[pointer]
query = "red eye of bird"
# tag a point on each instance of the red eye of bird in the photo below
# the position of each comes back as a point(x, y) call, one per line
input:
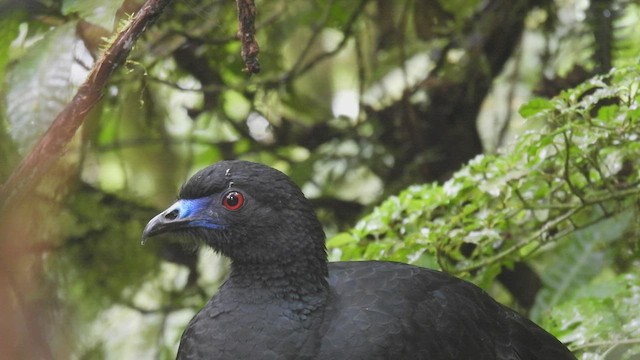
point(233, 200)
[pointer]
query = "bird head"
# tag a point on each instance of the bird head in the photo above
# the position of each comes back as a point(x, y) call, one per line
point(248, 212)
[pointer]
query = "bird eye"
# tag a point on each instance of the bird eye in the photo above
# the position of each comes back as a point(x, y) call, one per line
point(233, 200)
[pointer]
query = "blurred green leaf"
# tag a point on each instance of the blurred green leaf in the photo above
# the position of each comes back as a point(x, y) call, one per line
point(10, 30)
point(99, 12)
point(341, 240)
point(40, 84)
point(535, 106)
point(576, 260)
point(601, 319)
point(607, 112)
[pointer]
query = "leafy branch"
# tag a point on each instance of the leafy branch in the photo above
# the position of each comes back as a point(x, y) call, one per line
point(577, 171)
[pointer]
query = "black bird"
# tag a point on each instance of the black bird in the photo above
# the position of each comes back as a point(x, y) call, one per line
point(282, 300)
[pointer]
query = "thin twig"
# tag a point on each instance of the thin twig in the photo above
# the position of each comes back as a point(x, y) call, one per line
point(607, 343)
point(298, 69)
point(317, 27)
point(567, 172)
point(542, 235)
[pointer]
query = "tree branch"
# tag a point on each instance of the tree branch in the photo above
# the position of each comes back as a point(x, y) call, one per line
point(246, 34)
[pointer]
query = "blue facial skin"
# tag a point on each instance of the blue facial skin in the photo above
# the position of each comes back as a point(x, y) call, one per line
point(193, 208)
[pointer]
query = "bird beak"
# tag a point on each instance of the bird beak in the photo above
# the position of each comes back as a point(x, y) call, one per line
point(166, 221)
point(183, 214)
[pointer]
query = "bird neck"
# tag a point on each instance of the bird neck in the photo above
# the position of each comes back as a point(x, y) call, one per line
point(298, 279)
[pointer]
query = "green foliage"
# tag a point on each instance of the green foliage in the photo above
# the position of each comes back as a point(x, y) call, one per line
point(577, 260)
point(99, 12)
point(578, 171)
point(103, 256)
point(564, 198)
point(8, 149)
point(600, 319)
point(41, 85)
point(10, 26)
point(535, 106)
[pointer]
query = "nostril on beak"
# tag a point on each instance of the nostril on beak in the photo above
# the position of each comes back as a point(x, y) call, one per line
point(172, 215)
